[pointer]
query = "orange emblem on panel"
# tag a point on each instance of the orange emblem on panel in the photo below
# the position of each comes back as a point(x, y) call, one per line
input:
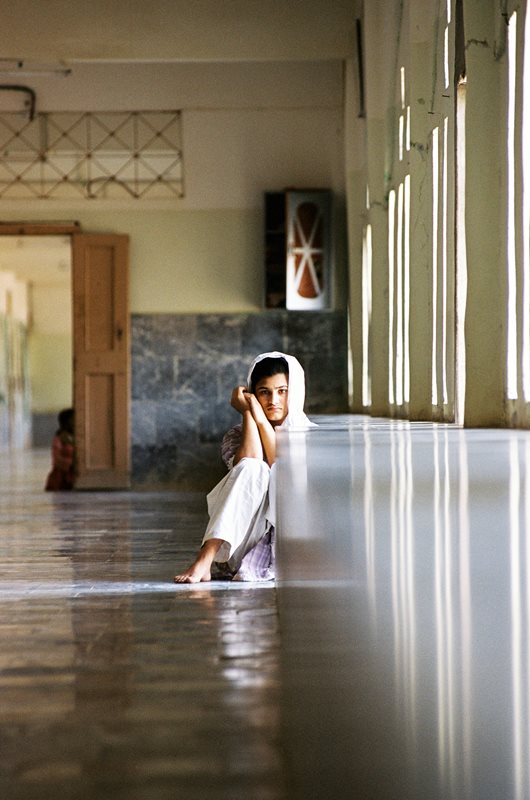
point(308, 250)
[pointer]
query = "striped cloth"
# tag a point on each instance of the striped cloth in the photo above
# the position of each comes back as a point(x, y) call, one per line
point(230, 443)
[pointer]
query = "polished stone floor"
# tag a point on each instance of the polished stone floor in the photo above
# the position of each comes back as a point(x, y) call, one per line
point(391, 661)
point(115, 682)
point(405, 611)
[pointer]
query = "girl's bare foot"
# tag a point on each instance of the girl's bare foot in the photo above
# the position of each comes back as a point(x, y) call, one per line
point(200, 570)
point(194, 574)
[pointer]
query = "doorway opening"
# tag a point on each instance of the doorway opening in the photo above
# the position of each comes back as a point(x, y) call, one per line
point(35, 337)
point(95, 349)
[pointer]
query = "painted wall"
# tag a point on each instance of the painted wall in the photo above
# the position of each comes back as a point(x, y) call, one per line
point(178, 29)
point(15, 424)
point(50, 349)
point(246, 129)
point(13, 297)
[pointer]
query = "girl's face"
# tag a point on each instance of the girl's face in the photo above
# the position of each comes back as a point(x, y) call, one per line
point(272, 395)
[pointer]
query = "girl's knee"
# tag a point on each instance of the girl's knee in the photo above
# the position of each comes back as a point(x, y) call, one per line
point(253, 466)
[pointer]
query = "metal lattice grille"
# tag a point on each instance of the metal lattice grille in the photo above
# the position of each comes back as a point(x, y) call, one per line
point(91, 155)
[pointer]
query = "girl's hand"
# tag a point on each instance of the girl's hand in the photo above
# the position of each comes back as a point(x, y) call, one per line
point(257, 411)
point(239, 399)
point(264, 428)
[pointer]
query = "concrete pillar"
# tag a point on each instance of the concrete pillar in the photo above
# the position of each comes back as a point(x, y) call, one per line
point(430, 103)
point(355, 149)
point(381, 40)
point(486, 313)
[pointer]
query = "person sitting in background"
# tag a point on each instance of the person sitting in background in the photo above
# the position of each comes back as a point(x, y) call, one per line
point(61, 477)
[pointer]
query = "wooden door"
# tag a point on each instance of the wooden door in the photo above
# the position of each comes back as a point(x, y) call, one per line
point(101, 360)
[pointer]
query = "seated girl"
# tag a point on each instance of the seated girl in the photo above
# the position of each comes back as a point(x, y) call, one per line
point(62, 476)
point(239, 539)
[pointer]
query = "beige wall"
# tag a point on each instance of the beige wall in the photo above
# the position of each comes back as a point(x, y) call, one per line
point(47, 316)
point(50, 348)
point(486, 216)
point(115, 86)
point(13, 297)
point(50, 365)
point(177, 29)
point(189, 261)
point(246, 129)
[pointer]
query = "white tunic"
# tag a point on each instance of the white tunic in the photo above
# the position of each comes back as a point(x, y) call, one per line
point(239, 512)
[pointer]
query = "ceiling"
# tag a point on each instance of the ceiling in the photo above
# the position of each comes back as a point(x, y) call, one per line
point(41, 260)
point(178, 30)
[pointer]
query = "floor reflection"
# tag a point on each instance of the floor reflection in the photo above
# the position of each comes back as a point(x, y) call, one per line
point(114, 681)
point(402, 668)
point(434, 629)
point(403, 582)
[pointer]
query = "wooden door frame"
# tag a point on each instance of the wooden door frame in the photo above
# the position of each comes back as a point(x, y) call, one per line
point(102, 360)
point(66, 228)
point(39, 228)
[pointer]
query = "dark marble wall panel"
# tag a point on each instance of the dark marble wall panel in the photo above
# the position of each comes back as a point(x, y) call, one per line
point(183, 371)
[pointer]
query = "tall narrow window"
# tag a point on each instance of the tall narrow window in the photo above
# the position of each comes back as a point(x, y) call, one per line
point(403, 133)
point(440, 266)
point(367, 314)
point(435, 192)
point(526, 209)
point(511, 387)
point(445, 274)
point(446, 45)
point(391, 266)
point(461, 260)
point(406, 292)
point(399, 299)
point(399, 260)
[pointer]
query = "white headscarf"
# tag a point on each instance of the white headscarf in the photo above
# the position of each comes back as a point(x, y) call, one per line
point(296, 417)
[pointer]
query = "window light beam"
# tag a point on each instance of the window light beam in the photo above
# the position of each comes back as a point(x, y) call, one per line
point(512, 370)
point(391, 266)
point(435, 190)
point(399, 298)
point(526, 210)
point(367, 315)
point(445, 330)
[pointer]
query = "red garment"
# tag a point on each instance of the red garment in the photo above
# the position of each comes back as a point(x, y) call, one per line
point(61, 478)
